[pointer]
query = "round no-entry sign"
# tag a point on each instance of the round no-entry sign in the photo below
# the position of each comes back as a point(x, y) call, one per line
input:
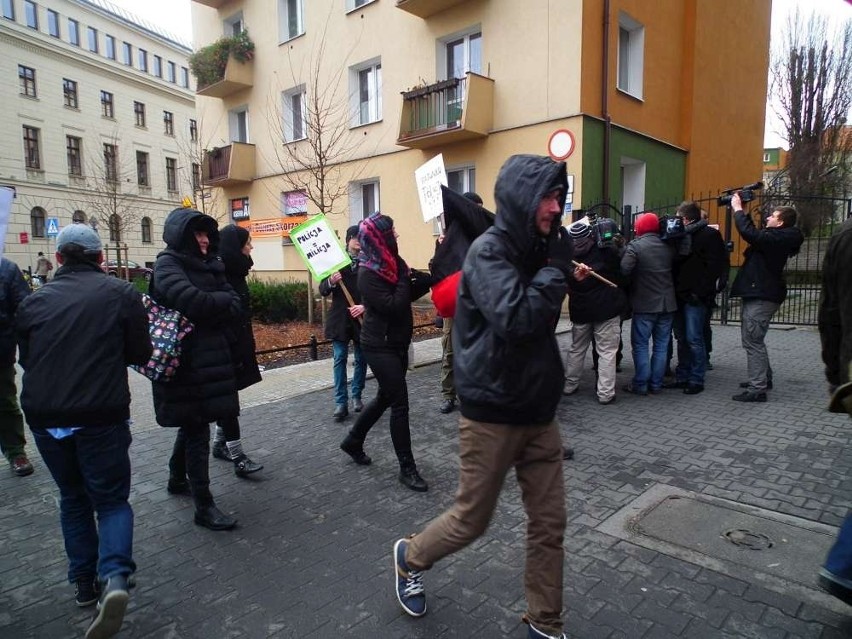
point(560, 145)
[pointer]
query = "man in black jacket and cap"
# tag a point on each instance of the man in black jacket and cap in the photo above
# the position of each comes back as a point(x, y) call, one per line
point(77, 335)
point(509, 377)
point(760, 283)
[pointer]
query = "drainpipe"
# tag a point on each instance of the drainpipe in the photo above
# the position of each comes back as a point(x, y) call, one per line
point(605, 103)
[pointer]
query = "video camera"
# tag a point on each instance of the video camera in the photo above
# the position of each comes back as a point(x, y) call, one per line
point(746, 193)
point(604, 229)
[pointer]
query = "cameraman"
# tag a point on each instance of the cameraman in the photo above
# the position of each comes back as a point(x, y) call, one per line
point(760, 283)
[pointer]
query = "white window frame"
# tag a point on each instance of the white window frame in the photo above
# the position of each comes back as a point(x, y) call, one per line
point(230, 24)
point(288, 116)
point(92, 39)
point(631, 56)
point(352, 5)
point(374, 101)
point(284, 19)
point(765, 158)
point(441, 51)
point(233, 124)
point(357, 190)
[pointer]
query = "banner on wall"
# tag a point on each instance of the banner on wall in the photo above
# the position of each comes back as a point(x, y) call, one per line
point(273, 227)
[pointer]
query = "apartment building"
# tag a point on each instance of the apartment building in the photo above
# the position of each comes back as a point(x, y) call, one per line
point(647, 102)
point(98, 125)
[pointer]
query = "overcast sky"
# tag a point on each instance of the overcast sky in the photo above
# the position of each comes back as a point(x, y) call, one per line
point(174, 16)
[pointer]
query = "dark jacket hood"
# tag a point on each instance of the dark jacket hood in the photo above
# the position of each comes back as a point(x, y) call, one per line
point(179, 227)
point(521, 184)
point(232, 239)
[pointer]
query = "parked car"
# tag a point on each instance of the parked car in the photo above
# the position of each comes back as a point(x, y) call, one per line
point(136, 270)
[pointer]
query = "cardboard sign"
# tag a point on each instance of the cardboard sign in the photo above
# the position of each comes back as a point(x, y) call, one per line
point(429, 177)
point(319, 247)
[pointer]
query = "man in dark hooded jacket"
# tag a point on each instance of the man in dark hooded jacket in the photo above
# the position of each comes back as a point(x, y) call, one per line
point(508, 374)
point(835, 330)
point(760, 283)
point(189, 277)
point(13, 290)
point(835, 309)
point(696, 277)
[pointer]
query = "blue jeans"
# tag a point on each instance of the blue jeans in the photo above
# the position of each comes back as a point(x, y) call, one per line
point(91, 467)
point(649, 372)
point(691, 353)
point(340, 351)
point(839, 560)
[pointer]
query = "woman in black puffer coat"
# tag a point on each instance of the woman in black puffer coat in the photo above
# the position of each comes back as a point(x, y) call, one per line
point(235, 251)
point(190, 277)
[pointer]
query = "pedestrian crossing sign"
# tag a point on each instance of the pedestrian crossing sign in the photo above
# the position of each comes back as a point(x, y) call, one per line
point(51, 227)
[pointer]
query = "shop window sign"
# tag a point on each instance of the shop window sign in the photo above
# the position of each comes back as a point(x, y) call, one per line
point(240, 209)
point(294, 202)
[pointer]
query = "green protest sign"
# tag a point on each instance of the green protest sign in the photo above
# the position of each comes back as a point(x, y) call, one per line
point(319, 247)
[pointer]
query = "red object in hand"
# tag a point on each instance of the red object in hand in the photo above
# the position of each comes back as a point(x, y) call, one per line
point(444, 295)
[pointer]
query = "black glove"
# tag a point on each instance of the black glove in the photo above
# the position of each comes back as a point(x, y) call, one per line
point(560, 251)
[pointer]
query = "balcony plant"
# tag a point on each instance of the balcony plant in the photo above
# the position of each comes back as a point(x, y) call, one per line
point(208, 63)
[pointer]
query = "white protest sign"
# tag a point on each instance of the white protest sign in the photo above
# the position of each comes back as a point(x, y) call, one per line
point(6, 196)
point(319, 247)
point(429, 177)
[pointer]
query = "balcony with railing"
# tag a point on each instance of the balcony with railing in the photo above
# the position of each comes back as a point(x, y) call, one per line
point(420, 8)
point(448, 111)
point(236, 77)
point(212, 3)
point(229, 165)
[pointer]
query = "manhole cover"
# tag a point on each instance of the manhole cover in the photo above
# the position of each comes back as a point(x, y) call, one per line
point(747, 539)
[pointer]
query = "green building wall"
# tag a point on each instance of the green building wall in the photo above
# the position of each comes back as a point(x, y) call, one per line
point(665, 166)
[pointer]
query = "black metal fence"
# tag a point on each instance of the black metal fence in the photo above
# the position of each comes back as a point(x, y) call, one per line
point(818, 218)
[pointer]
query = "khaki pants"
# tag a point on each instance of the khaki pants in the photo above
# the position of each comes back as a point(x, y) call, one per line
point(607, 335)
point(448, 384)
point(487, 452)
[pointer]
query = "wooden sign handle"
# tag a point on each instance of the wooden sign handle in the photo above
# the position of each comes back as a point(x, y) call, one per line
point(349, 299)
point(598, 277)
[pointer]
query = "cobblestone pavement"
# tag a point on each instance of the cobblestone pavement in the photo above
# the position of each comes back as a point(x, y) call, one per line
point(311, 557)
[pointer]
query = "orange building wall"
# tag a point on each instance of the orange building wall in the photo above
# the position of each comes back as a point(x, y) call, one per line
point(659, 112)
point(705, 80)
point(726, 140)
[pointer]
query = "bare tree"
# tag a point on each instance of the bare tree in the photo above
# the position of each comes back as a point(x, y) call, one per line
point(314, 124)
point(811, 83)
point(312, 118)
point(111, 203)
point(192, 152)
